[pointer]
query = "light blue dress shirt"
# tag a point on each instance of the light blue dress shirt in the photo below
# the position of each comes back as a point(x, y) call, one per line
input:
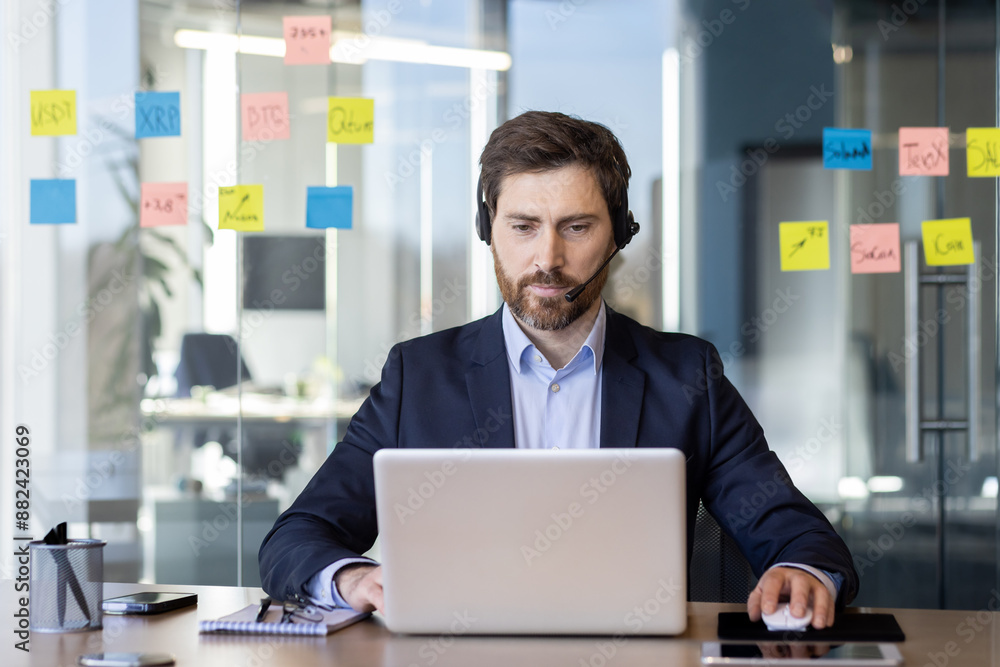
point(552, 408)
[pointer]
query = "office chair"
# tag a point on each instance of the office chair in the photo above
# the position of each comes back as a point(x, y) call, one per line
point(718, 572)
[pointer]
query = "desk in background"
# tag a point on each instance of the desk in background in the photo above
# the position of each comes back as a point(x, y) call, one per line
point(369, 643)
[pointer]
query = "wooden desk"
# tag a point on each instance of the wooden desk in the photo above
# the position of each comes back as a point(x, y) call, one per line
point(369, 643)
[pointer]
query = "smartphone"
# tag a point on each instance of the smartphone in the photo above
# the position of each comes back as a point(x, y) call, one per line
point(800, 654)
point(125, 659)
point(148, 603)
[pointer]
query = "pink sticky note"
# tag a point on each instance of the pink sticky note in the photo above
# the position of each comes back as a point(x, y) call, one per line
point(875, 248)
point(307, 40)
point(265, 116)
point(923, 151)
point(163, 204)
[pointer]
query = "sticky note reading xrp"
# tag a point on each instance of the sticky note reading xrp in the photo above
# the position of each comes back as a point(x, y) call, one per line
point(241, 207)
point(307, 40)
point(875, 248)
point(805, 246)
point(923, 151)
point(264, 116)
point(329, 207)
point(982, 151)
point(847, 149)
point(948, 242)
point(157, 115)
point(163, 204)
point(350, 120)
point(53, 112)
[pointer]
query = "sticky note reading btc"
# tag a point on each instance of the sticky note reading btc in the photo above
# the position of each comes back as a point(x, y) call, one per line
point(157, 114)
point(163, 204)
point(265, 116)
point(241, 207)
point(805, 246)
point(329, 207)
point(948, 242)
point(307, 40)
point(847, 148)
point(53, 112)
point(875, 248)
point(350, 120)
point(982, 151)
point(923, 151)
point(53, 201)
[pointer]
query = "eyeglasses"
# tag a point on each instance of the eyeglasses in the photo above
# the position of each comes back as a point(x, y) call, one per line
point(298, 609)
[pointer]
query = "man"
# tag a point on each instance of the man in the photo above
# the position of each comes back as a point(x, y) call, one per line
point(545, 371)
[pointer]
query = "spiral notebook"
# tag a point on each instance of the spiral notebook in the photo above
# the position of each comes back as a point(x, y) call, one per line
point(242, 622)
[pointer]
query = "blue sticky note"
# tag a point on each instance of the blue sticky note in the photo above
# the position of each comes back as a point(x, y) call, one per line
point(157, 115)
point(53, 201)
point(329, 207)
point(847, 149)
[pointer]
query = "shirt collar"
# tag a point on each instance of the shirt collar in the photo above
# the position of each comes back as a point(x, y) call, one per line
point(516, 341)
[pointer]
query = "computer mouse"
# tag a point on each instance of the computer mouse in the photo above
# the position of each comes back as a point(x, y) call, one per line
point(782, 618)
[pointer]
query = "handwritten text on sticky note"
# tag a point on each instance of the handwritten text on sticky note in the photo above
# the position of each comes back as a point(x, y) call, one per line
point(923, 151)
point(307, 40)
point(157, 114)
point(53, 112)
point(847, 148)
point(163, 204)
point(329, 207)
point(264, 116)
point(350, 120)
point(875, 248)
point(805, 246)
point(982, 151)
point(241, 207)
point(948, 242)
point(53, 201)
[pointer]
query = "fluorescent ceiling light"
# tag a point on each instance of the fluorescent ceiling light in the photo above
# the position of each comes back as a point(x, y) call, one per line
point(885, 484)
point(852, 487)
point(353, 49)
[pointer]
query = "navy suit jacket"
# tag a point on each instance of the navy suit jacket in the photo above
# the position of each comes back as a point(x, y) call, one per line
point(452, 389)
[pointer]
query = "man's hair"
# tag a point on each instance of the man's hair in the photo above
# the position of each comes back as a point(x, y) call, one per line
point(539, 141)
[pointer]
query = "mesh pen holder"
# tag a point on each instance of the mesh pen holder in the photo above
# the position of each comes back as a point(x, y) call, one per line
point(67, 586)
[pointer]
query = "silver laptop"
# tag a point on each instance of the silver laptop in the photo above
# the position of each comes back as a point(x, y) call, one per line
point(510, 541)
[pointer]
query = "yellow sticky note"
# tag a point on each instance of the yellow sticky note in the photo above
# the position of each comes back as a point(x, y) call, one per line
point(53, 112)
point(805, 246)
point(948, 242)
point(350, 120)
point(241, 207)
point(982, 151)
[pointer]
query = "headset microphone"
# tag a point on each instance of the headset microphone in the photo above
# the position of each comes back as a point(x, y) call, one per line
point(576, 291)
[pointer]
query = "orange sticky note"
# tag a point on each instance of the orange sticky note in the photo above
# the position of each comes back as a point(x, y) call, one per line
point(307, 40)
point(53, 112)
point(163, 204)
point(805, 246)
point(982, 151)
point(875, 248)
point(264, 116)
point(948, 242)
point(923, 151)
point(241, 207)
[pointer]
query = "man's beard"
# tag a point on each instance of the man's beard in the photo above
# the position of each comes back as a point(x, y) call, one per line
point(550, 313)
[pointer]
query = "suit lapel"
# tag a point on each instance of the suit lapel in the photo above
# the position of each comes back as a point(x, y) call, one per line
point(488, 383)
point(622, 386)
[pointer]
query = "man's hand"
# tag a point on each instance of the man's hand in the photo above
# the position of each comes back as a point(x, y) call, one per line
point(796, 586)
point(360, 585)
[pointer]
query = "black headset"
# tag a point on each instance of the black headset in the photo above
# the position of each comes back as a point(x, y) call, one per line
point(622, 221)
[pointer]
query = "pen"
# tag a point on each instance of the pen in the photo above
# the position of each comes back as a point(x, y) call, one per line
point(264, 604)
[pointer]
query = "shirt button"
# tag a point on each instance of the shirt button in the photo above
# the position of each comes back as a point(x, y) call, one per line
point(555, 388)
point(538, 359)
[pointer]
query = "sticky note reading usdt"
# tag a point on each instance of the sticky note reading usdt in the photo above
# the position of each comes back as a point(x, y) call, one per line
point(241, 207)
point(805, 246)
point(53, 112)
point(948, 242)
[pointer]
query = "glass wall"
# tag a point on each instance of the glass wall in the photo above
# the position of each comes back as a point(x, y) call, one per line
point(181, 383)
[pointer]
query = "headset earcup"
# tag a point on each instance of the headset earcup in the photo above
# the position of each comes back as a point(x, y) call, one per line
point(482, 215)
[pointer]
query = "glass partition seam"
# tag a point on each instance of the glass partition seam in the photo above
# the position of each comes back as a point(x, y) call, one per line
point(239, 323)
point(996, 280)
